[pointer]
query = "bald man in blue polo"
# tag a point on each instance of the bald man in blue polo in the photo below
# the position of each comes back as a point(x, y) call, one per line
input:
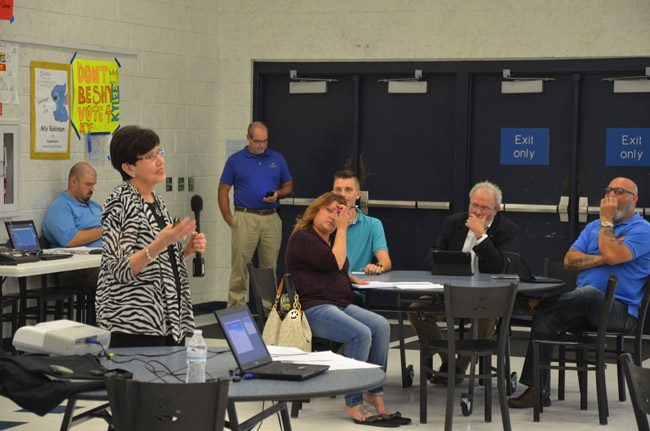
point(260, 177)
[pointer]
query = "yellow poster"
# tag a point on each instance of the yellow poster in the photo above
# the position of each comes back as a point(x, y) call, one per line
point(96, 100)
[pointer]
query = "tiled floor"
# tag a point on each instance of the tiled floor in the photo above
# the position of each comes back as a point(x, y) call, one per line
point(326, 414)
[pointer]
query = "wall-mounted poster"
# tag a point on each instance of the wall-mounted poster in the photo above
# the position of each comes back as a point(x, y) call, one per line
point(8, 73)
point(50, 113)
point(7, 10)
point(96, 90)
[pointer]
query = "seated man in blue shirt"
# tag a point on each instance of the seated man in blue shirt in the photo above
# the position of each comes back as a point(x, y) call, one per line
point(365, 235)
point(619, 244)
point(74, 220)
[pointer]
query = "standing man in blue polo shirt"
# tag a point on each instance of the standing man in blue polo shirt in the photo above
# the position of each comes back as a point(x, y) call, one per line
point(73, 219)
point(367, 250)
point(261, 178)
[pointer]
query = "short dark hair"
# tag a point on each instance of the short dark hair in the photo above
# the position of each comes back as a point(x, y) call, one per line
point(128, 143)
point(346, 174)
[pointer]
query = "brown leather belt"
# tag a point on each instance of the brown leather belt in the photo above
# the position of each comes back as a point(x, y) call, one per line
point(258, 212)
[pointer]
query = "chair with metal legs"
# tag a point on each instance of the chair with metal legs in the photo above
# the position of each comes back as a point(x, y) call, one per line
point(472, 303)
point(583, 345)
point(638, 383)
point(263, 289)
point(167, 407)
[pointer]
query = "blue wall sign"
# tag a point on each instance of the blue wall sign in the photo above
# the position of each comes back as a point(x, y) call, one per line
point(627, 147)
point(524, 146)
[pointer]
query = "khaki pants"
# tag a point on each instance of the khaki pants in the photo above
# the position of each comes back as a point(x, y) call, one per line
point(426, 327)
point(252, 232)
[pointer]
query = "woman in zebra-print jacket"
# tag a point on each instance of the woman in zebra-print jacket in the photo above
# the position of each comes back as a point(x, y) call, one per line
point(143, 293)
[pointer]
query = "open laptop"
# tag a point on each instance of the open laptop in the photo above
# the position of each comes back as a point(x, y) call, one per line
point(451, 262)
point(517, 265)
point(250, 352)
point(23, 238)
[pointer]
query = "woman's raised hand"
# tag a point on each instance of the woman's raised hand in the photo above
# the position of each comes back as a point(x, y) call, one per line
point(173, 233)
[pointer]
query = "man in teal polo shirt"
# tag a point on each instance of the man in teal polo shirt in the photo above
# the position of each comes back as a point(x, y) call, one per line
point(260, 177)
point(367, 250)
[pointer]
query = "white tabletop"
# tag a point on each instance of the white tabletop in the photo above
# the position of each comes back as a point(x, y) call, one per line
point(77, 261)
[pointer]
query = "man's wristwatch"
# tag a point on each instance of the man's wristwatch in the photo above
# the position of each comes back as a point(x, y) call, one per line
point(606, 224)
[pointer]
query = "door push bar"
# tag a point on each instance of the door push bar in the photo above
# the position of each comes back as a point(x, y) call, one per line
point(365, 203)
point(562, 208)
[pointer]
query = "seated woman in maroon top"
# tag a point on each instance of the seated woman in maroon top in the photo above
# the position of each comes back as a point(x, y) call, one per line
point(316, 259)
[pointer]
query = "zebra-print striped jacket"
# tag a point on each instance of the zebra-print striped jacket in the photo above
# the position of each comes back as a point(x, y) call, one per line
point(146, 304)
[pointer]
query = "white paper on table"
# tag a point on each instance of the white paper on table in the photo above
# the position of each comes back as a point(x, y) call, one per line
point(419, 285)
point(334, 360)
point(373, 284)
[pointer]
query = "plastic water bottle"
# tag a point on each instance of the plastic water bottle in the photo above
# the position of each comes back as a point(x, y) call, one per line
point(197, 355)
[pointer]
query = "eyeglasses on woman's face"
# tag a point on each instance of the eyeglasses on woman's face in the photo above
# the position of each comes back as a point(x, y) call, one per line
point(151, 156)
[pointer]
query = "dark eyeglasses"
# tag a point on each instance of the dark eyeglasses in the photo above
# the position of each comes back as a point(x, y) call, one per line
point(617, 191)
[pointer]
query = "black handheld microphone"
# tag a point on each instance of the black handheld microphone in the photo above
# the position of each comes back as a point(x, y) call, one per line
point(197, 206)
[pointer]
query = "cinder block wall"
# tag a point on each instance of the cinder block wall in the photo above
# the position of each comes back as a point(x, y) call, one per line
point(191, 78)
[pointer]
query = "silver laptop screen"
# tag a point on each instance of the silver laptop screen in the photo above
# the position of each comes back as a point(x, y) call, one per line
point(243, 337)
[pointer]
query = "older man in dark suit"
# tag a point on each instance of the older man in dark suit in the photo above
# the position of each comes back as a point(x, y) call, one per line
point(487, 235)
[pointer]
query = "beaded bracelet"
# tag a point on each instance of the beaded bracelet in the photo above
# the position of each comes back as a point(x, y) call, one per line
point(146, 251)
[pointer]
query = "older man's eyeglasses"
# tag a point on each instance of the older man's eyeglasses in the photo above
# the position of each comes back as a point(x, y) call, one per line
point(152, 156)
point(617, 191)
point(260, 141)
point(483, 208)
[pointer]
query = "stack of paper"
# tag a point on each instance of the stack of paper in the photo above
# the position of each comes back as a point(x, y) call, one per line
point(334, 360)
point(419, 285)
point(373, 285)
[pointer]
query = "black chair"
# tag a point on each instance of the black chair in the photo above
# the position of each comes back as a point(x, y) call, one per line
point(12, 317)
point(140, 406)
point(263, 289)
point(55, 300)
point(637, 334)
point(583, 345)
point(638, 382)
point(556, 269)
point(472, 303)
point(58, 302)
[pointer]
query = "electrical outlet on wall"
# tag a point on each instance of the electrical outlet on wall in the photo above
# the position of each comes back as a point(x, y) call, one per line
point(181, 184)
point(169, 184)
point(190, 184)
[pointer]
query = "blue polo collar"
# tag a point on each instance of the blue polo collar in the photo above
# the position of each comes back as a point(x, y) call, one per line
point(72, 199)
point(255, 156)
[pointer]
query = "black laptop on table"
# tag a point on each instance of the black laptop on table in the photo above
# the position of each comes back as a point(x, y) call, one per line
point(250, 352)
point(23, 238)
point(451, 262)
point(517, 265)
